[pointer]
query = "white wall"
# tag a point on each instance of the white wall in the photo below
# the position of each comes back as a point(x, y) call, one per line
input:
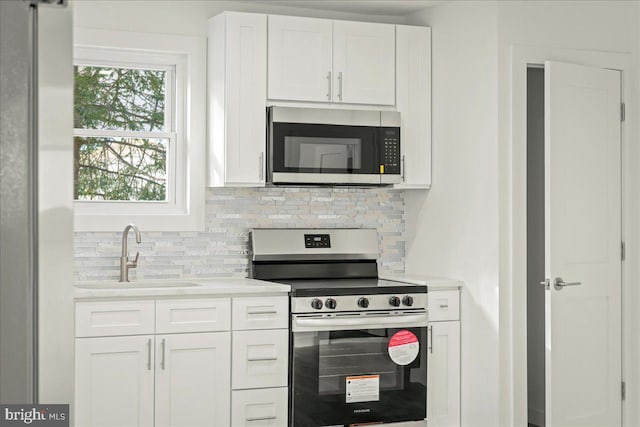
point(460, 228)
point(183, 17)
point(452, 229)
point(56, 310)
point(603, 26)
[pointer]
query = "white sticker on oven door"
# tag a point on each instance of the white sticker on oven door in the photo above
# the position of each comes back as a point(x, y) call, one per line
point(403, 347)
point(363, 388)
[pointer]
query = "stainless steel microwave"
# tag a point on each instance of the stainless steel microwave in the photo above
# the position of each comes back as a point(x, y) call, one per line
point(334, 147)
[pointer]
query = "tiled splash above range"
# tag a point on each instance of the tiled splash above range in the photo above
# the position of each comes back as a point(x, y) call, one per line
point(221, 249)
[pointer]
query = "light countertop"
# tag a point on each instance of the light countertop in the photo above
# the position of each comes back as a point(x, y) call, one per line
point(433, 283)
point(164, 288)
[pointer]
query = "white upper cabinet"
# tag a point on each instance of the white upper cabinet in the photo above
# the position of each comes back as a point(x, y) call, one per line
point(300, 58)
point(364, 63)
point(413, 101)
point(320, 60)
point(237, 99)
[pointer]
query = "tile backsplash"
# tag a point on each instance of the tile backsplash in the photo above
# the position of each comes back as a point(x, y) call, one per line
point(221, 249)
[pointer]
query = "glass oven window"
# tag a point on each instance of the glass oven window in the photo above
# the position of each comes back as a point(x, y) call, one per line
point(351, 353)
point(322, 153)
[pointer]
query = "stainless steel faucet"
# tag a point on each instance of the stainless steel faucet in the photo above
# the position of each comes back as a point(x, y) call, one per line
point(125, 264)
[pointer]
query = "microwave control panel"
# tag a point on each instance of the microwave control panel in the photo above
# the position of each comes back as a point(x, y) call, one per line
point(390, 162)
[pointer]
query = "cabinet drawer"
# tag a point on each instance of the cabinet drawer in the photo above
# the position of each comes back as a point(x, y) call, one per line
point(194, 315)
point(99, 319)
point(260, 359)
point(265, 407)
point(444, 305)
point(260, 313)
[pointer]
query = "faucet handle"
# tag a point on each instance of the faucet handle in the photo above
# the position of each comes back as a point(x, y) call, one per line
point(134, 263)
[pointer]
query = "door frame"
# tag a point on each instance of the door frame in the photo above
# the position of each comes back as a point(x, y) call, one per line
point(513, 241)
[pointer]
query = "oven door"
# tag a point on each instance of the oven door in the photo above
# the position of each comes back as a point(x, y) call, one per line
point(358, 368)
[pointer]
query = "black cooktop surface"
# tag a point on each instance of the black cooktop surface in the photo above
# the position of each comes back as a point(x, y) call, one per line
point(330, 287)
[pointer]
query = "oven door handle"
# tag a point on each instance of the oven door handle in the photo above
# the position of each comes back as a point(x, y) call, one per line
point(301, 324)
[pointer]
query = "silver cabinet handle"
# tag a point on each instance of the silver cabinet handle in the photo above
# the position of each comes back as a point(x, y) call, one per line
point(271, 417)
point(149, 354)
point(262, 312)
point(164, 347)
point(444, 305)
point(329, 79)
point(261, 359)
point(340, 85)
point(260, 166)
point(402, 167)
point(558, 283)
point(431, 339)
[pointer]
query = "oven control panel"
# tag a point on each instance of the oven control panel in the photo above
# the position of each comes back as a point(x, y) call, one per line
point(358, 303)
point(317, 241)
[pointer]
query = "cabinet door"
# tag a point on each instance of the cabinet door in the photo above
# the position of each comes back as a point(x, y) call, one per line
point(193, 379)
point(237, 99)
point(443, 405)
point(114, 381)
point(260, 358)
point(258, 408)
point(300, 58)
point(413, 99)
point(364, 63)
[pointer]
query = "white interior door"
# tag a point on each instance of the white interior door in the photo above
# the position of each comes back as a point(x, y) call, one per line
point(583, 344)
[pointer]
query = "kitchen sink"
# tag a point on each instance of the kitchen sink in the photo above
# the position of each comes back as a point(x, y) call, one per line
point(137, 285)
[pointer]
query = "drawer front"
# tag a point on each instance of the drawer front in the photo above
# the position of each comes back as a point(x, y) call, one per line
point(193, 315)
point(109, 318)
point(260, 313)
point(444, 305)
point(264, 407)
point(260, 359)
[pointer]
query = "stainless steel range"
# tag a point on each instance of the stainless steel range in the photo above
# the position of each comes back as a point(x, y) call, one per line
point(358, 343)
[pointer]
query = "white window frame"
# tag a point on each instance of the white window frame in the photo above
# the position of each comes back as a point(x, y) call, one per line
point(183, 58)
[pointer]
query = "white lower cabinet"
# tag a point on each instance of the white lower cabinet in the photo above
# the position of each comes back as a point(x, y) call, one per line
point(443, 401)
point(257, 408)
point(260, 362)
point(168, 362)
point(114, 381)
point(155, 378)
point(192, 379)
point(444, 367)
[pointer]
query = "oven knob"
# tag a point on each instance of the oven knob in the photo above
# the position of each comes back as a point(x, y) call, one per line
point(394, 301)
point(407, 300)
point(330, 303)
point(316, 303)
point(363, 302)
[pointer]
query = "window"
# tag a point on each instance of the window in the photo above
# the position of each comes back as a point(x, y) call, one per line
point(139, 131)
point(123, 131)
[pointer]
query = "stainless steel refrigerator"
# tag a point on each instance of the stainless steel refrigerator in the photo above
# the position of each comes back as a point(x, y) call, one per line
point(19, 200)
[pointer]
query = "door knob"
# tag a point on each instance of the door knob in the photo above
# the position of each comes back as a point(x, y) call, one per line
point(558, 283)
